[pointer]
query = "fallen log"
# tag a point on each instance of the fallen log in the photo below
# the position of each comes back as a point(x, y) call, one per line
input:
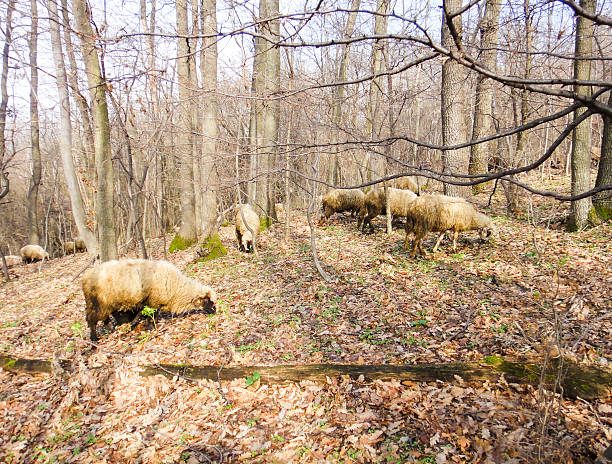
point(577, 380)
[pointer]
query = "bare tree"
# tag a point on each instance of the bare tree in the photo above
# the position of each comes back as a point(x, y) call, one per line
point(187, 234)
point(105, 216)
point(483, 111)
point(65, 137)
point(581, 137)
point(603, 200)
point(452, 111)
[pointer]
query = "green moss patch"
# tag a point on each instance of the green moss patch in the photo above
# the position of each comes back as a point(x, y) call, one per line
point(264, 223)
point(211, 248)
point(179, 243)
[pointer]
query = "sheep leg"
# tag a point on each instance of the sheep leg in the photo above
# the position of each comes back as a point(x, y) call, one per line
point(239, 237)
point(455, 236)
point(136, 320)
point(438, 242)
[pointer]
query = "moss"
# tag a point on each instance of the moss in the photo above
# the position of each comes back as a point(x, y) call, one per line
point(211, 248)
point(179, 243)
point(493, 360)
point(264, 223)
point(603, 209)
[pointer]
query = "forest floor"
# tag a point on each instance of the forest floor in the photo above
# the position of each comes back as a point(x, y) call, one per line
point(532, 289)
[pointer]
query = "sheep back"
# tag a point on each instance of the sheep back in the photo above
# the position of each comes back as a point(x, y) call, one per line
point(244, 236)
point(79, 245)
point(404, 183)
point(129, 285)
point(31, 253)
point(69, 247)
point(340, 200)
point(375, 203)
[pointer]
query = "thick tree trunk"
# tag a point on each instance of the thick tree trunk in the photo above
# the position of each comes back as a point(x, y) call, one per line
point(187, 234)
point(483, 112)
point(65, 137)
point(579, 380)
point(603, 200)
point(33, 234)
point(105, 214)
point(256, 165)
point(452, 107)
point(581, 137)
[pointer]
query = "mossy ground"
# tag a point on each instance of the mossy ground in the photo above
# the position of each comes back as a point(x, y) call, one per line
point(180, 243)
point(211, 248)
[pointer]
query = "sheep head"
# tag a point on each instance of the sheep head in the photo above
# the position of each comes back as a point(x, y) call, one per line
point(205, 302)
point(487, 232)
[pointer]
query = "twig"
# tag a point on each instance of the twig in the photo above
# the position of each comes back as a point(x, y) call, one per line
point(90, 262)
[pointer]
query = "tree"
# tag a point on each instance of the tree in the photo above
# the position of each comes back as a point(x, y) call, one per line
point(603, 200)
point(104, 166)
point(483, 112)
point(581, 137)
point(187, 234)
point(452, 110)
point(65, 136)
point(33, 235)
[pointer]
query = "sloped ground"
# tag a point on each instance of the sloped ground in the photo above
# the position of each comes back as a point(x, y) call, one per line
point(515, 297)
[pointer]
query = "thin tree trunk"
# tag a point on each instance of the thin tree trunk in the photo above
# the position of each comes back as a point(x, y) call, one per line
point(187, 234)
point(483, 117)
point(452, 108)
point(256, 119)
point(65, 138)
point(33, 234)
point(8, 25)
point(580, 210)
point(105, 215)
point(603, 200)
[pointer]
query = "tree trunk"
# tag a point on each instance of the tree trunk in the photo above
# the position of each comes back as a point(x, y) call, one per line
point(211, 244)
point(8, 25)
point(374, 117)
point(582, 381)
point(65, 137)
point(603, 200)
point(452, 108)
point(105, 214)
point(32, 225)
point(187, 234)
point(581, 137)
point(334, 174)
point(483, 113)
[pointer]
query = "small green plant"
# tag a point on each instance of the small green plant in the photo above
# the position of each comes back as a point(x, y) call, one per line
point(250, 380)
point(419, 323)
point(76, 328)
point(277, 438)
point(303, 450)
point(143, 337)
point(147, 311)
point(252, 422)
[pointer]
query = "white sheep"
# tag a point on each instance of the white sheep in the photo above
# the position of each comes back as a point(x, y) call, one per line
point(441, 213)
point(243, 234)
point(340, 200)
point(375, 204)
point(403, 183)
point(126, 286)
point(31, 253)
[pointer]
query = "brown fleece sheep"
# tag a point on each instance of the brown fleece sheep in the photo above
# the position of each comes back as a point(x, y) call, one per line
point(31, 253)
point(244, 236)
point(404, 183)
point(375, 204)
point(69, 247)
point(340, 200)
point(79, 245)
point(440, 213)
point(126, 286)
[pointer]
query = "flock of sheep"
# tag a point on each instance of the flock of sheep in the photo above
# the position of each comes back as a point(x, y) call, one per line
point(424, 213)
point(117, 291)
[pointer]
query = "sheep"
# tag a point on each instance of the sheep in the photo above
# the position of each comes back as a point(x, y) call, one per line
point(404, 183)
point(69, 247)
point(243, 234)
point(340, 200)
point(440, 213)
point(375, 204)
point(31, 253)
point(126, 286)
point(280, 210)
point(79, 245)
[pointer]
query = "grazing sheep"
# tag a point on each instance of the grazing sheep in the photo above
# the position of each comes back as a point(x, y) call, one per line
point(440, 213)
point(340, 200)
point(69, 247)
point(404, 183)
point(12, 260)
point(126, 286)
point(244, 236)
point(280, 210)
point(375, 204)
point(31, 253)
point(79, 245)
